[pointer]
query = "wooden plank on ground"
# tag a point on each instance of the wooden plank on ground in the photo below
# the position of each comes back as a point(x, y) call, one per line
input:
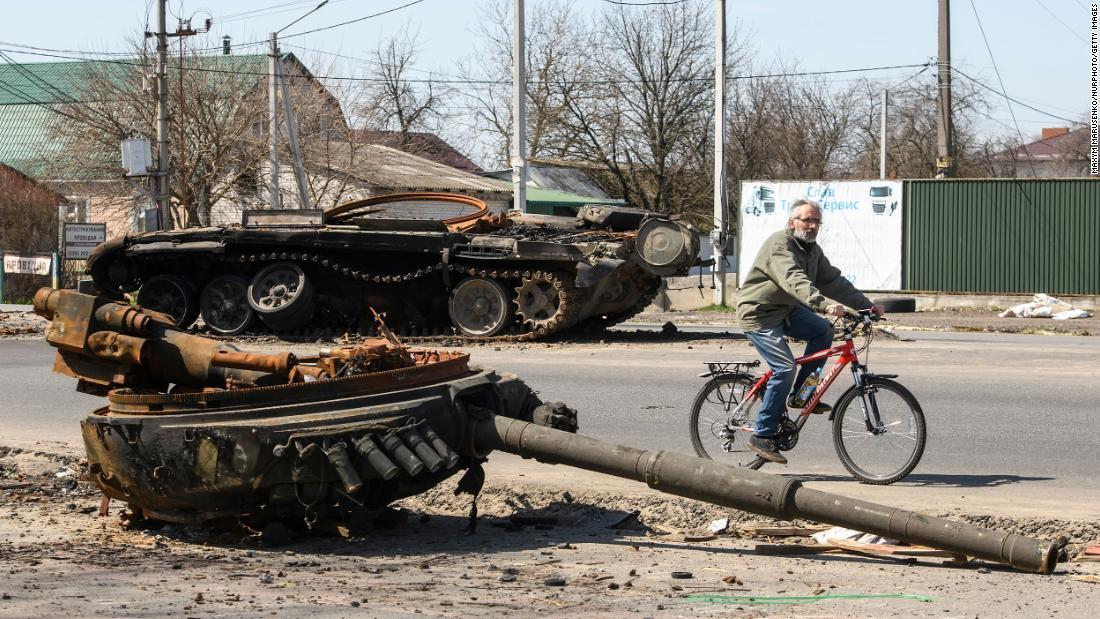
point(781, 531)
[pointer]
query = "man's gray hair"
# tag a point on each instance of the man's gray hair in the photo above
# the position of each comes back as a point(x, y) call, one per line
point(799, 203)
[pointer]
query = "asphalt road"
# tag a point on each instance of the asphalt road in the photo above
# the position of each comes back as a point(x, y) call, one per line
point(1010, 416)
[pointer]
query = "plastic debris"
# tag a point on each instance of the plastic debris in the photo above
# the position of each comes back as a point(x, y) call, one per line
point(1045, 306)
point(843, 534)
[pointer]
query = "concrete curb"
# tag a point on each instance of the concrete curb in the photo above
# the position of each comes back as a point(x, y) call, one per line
point(691, 292)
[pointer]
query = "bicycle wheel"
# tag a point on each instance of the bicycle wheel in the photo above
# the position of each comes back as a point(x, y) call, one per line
point(720, 430)
point(879, 452)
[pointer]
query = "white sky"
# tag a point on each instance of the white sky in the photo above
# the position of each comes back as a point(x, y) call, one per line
point(1040, 46)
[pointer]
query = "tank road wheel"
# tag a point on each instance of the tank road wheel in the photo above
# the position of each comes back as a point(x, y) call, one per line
point(539, 300)
point(224, 305)
point(480, 307)
point(282, 296)
point(172, 295)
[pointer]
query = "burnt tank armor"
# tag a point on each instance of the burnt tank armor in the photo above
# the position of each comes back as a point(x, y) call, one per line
point(520, 276)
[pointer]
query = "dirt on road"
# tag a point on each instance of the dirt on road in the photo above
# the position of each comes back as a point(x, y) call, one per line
point(537, 551)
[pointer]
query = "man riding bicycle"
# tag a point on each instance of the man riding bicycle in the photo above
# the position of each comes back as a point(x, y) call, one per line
point(789, 275)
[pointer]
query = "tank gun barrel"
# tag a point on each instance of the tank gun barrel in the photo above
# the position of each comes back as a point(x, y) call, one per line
point(760, 493)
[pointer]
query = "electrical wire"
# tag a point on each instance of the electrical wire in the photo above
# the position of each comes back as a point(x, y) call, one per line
point(265, 11)
point(621, 3)
point(311, 12)
point(1011, 112)
point(12, 90)
point(500, 82)
point(1059, 20)
point(66, 51)
point(1013, 99)
point(353, 21)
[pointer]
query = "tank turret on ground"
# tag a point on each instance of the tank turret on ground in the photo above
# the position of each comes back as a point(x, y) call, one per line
point(198, 432)
point(520, 276)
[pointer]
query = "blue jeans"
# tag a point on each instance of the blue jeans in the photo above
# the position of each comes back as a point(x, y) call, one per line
point(801, 324)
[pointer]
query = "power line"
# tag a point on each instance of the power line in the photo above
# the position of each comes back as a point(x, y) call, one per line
point(296, 34)
point(621, 3)
point(1013, 99)
point(66, 51)
point(12, 90)
point(499, 82)
point(311, 12)
point(269, 10)
point(1064, 24)
point(1001, 82)
point(353, 21)
point(911, 77)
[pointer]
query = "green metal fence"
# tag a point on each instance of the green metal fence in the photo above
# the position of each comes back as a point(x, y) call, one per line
point(1002, 236)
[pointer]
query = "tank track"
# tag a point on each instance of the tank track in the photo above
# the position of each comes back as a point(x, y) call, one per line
point(571, 298)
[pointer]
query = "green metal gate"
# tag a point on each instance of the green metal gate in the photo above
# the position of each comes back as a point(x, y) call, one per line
point(1002, 236)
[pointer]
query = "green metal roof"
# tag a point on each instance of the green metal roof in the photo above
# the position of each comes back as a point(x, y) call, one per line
point(30, 94)
point(554, 202)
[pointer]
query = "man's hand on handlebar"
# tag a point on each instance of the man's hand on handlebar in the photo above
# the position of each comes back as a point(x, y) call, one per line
point(874, 313)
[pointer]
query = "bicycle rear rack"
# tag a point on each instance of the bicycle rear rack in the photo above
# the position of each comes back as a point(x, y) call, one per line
point(717, 368)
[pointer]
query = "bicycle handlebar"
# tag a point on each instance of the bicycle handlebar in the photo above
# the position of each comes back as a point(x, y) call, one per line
point(865, 316)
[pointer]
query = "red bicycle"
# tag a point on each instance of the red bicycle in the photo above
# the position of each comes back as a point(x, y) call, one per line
point(878, 426)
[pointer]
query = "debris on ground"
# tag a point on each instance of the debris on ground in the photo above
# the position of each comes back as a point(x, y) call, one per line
point(606, 572)
point(719, 526)
point(1045, 306)
point(844, 534)
point(781, 531)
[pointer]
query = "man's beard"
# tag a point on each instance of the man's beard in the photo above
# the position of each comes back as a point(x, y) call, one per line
point(808, 236)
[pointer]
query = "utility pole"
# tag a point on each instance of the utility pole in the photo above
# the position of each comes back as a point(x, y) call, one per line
point(273, 119)
point(180, 167)
point(161, 188)
point(292, 133)
point(883, 137)
point(519, 111)
point(162, 193)
point(718, 235)
point(945, 151)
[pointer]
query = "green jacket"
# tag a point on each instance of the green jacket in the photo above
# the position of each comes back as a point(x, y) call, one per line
point(788, 273)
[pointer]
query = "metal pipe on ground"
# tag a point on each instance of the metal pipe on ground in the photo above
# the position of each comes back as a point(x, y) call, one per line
point(760, 493)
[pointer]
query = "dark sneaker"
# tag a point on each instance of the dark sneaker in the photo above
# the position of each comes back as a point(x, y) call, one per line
point(795, 403)
point(766, 448)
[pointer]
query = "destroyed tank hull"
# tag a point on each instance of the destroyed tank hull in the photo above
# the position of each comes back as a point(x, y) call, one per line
point(517, 276)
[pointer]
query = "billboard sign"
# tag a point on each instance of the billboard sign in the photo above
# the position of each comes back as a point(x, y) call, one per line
point(861, 231)
point(81, 238)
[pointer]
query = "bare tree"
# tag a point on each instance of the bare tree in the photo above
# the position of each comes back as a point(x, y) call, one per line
point(911, 150)
point(396, 100)
point(786, 125)
point(218, 111)
point(646, 112)
point(557, 46)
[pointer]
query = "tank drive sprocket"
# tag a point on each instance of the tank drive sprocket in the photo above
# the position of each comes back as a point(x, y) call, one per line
point(546, 301)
